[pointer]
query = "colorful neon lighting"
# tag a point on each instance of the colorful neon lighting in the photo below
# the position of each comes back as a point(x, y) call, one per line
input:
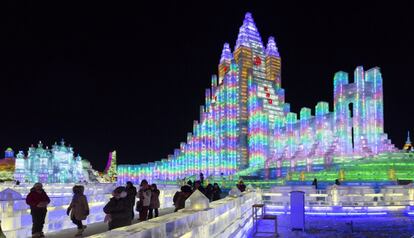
point(246, 124)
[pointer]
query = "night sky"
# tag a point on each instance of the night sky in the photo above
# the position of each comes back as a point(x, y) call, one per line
point(132, 77)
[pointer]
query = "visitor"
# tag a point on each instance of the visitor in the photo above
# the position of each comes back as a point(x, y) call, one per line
point(337, 182)
point(117, 210)
point(180, 197)
point(144, 195)
point(78, 208)
point(241, 186)
point(202, 179)
point(315, 183)
point(199, 187)
point(155, 201)
point(216, 192)
point(190, 183)
point(131, 194)
point(38, 200)
point(209, 192)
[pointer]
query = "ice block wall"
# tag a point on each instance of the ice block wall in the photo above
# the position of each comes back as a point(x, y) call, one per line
point(17, 221)
point(228, 217)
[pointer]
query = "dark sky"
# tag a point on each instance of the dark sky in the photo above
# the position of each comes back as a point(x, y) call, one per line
point(132, 77)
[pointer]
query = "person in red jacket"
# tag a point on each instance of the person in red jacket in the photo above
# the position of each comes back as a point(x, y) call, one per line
point(38, 200)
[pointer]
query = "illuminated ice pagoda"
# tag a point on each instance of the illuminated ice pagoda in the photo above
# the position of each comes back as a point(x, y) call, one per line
point(246, 123)
point(56, 165)
point(7, 165)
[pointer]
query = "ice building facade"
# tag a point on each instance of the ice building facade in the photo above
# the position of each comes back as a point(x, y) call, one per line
point(55, 165)
point(246, 123)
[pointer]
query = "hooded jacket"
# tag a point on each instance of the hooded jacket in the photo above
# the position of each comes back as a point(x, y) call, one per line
point(79, 207)
point(119, 208)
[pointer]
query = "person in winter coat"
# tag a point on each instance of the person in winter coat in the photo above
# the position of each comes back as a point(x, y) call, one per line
point(38, 200)
point(199, 186)
point(216, 192)
point(78, 208)
point(180, 197)
point(315, 183)
point(241, 186)
point(117, 210)
point(209, 192)
point(155, 201)
point(131, 193)
point(144, 195)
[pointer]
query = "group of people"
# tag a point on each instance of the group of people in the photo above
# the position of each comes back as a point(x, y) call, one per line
point(315, 183)
point(38, 200)
point(212, 192)
point(119, 210)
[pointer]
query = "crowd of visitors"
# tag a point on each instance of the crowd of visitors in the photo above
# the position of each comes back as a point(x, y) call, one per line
point(211, 191)
point(119, 211)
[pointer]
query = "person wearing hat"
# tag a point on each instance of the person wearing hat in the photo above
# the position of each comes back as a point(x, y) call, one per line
point(180, 197)
point(144, 196)
point(38, 200)
point(118, 209)
point(78, 208)
point(131, 193)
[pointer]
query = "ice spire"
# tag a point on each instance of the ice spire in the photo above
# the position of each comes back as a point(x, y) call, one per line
point(271, 49)
point(408, 145)
point(408, 138)
point(226, 53)
point(248, 32)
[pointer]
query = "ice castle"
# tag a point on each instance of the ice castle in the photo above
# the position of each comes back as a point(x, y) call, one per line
point(246, 123)
point(56, 165)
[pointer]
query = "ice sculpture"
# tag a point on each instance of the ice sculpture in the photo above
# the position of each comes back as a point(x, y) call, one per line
point(9, 194)
point(250, 188)
point(235, 192)
point(110, 170)
point(56, 165)
point(7, 165)
point(246, 123)
point(197, 201)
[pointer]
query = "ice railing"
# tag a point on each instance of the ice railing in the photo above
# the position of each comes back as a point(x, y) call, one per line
point(17, 221)
point(228, 217)
point(390, 198)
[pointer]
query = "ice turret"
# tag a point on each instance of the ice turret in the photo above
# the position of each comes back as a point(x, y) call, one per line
point(408, 145)
point(271, 49)
point(248, 33)
point(225, 61)
point(273, 61)
point(226, 55)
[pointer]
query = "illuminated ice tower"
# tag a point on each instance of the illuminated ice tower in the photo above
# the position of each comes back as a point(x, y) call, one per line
point(408, 146)
point(358, 111)
point(110, 169)
point(246, 123)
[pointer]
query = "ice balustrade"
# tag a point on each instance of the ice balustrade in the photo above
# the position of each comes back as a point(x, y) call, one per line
point(17, 221)
point(228, 217)
point(345, 199)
